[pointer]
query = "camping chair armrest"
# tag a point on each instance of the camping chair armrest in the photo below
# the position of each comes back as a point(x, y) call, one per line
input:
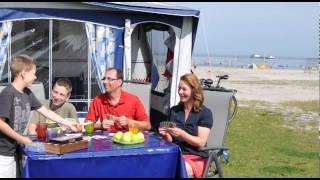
point(214, 148)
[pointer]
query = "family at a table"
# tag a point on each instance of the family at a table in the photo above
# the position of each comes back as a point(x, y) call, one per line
point(193, 120)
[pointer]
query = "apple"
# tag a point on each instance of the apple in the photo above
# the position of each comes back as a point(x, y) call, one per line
point(128, 133)
point(140, 135)
point(118, 135)
point(126, 138)
point(137, 137)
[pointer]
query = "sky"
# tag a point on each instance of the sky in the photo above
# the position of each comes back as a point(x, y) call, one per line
point(286, 29)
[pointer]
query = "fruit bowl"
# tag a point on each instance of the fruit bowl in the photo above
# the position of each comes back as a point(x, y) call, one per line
point(123, 142)
point(128, 138)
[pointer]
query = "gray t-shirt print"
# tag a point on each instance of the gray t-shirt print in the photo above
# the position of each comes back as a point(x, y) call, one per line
point(21, 115)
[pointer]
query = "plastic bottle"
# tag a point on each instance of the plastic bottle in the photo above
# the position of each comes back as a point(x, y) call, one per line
point(226, 155)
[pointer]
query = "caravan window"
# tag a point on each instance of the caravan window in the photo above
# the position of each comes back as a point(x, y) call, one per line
point(69, 59)
point(69, 53)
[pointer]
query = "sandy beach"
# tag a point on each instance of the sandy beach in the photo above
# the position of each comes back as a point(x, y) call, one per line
point(271, 85)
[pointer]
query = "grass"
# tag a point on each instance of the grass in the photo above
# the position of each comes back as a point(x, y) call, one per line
point(312, 106)
point(261, 147)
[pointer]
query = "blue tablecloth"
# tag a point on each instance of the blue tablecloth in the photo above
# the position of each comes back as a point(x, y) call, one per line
point(104, 158)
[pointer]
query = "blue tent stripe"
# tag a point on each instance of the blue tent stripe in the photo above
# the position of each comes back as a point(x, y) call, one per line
point(158, 10)
point(119, 33)
point(111, 18)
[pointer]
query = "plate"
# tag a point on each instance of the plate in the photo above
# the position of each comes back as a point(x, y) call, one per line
point(122, 142)
point(100, 137)
point(73, 134)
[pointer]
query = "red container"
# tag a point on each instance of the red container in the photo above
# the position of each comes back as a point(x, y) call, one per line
point(42, 131)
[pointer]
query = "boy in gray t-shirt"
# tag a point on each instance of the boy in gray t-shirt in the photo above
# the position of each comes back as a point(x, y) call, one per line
point(16, 102)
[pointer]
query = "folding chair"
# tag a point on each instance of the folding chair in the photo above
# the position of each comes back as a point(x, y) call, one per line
point(219, 102)
point(142, 90)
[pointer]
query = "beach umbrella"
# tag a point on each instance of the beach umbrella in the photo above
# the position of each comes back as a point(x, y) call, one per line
point(264, 66)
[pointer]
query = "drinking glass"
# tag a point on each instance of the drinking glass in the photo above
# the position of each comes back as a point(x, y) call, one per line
point(89, 128)
point(133, 128)
point(51, 133)
point(42, 131)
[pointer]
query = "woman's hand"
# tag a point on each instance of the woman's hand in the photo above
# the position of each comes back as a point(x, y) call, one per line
point(164, 132)
point(176, 132)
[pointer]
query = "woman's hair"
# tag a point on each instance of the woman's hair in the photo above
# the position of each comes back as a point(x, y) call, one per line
point(20, 63)
point(193, 81)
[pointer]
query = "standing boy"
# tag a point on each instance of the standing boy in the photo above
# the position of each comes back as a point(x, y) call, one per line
point(16, 102)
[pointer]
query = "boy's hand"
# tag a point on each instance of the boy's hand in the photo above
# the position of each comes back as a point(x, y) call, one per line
point(26, 140)
point(75, 126)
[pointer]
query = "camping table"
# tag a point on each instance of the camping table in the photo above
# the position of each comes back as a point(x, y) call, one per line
point(155, 157)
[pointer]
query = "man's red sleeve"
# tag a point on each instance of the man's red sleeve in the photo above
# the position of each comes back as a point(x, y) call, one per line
point(141, 114)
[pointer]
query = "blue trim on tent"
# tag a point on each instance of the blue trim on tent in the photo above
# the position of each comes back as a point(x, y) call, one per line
point(157, 10)
point(112, 18)
point(118, 53)
point(194, 31)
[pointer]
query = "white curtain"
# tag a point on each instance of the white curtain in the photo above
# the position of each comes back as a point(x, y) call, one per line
point(101, 46)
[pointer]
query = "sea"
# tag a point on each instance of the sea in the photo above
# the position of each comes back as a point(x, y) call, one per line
point(246, 61)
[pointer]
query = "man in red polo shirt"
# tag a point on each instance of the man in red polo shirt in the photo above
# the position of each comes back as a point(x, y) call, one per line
point(125, 107)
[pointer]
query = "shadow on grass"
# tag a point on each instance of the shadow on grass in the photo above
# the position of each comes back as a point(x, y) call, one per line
point(298, 153)
point(283, 170)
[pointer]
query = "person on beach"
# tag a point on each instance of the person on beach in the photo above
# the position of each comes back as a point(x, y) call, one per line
point(193, 123)
point(126, 108)
point(16, 102)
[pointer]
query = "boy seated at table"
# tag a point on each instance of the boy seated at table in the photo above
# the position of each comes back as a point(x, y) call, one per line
point(61, 93)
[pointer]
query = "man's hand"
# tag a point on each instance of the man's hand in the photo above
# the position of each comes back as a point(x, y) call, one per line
point(107, 123)
point(123, 120)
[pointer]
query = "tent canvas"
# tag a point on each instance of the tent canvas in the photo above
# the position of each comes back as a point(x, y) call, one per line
point(110, 37)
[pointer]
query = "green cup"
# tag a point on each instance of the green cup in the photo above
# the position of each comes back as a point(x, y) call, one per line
point(89, 128)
